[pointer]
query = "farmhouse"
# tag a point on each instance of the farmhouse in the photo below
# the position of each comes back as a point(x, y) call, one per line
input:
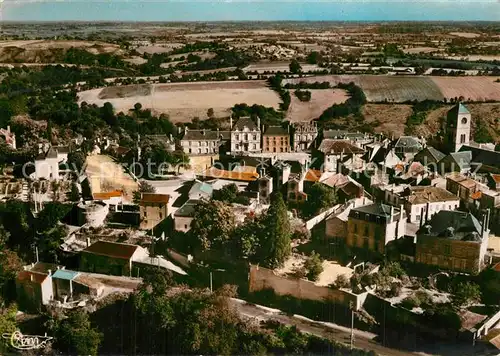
point(153, 209)
point(333, 152)
point(201, 142)
point(245, 136)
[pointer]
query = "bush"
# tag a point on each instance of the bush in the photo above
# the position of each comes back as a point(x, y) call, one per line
point(341, 281)
point(314, 266)
point(303, 95)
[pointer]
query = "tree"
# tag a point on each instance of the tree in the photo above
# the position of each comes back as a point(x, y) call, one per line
point(213, 225)
point(74, 195)
point(10, 265)
point(7, 324)
point(275, 238)
point(210, 113)
point(76, 159)
point(75, 335)
point(314, 57)
point(465, 294)
point(314, 266)
point(227, 193)
point(341, 281)
point(319, 198)
point(143, 187)
point(246, 238)
point(137, 108)
point(295, 67)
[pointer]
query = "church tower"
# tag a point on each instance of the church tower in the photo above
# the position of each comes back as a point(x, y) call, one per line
point(458, 122)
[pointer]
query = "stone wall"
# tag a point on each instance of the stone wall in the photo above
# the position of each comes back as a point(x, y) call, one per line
point(262, 278)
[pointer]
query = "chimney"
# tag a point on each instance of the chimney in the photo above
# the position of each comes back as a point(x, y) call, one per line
point(88, 241)
point(31, 277)
point(171, 138)
point(258, 122)
point(179, 130)
point(427, 212)
point(421, 217)
point(401, 210)
point(8, 129)
point(50, 272)
point(392, 212)
point(230, 123)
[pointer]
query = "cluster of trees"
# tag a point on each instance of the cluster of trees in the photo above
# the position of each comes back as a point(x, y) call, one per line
point(419, 114)
point(268, 116)
point(351, 106)
point(230, 194)
point(305, 85)
point(263, 239)
point(303, 95)
point(275, 84)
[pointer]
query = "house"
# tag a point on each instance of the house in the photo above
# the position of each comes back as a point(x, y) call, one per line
point(47, 163)
point(458, 127)
point(336, 223)
point(295, 188)
point(245, 136)
point(72, 285)
point(304, 134)
point(9, 137)
point(453, 240)
point(113, 198)
point(346, 187)
point(110, 258)
point(185, 215)
point(265, 187)
point(276, 139)
point(426, 201)
point(201, 142)
point(456, 162)
point(372, 227)
point(407, 145)
point(333, 152)
point(34, 290)
point(200, 190)
point(429, 156)
point(153, 209)
point(356, 138)
point(461, 186)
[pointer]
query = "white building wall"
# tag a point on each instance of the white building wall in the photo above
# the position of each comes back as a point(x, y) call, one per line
point(415, 209)
point(182, 223)
point(47, 169)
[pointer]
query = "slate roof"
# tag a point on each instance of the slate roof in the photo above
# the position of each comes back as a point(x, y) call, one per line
point(459, 109)
point(377, 209)
point(65, 274)
point(201, 135)
point(408, 141)
point(480, 155)
point(112, 249)
point(245, 122)
point(454, 225)
point(424, 195)
point(462, 159)
point(276, 131)
point(430, 151)
point(330, 146)
point(187, 210)
point(201, 187)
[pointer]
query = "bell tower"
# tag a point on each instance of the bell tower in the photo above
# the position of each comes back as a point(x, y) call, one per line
point(458, 127)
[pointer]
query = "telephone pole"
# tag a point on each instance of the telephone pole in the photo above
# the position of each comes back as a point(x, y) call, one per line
point(351, 306)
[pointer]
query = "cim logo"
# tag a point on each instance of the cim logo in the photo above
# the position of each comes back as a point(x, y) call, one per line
point(26, 342)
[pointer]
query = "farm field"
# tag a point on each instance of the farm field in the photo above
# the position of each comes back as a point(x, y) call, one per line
point(399, 89)
point(321, 99)
point(183, 101)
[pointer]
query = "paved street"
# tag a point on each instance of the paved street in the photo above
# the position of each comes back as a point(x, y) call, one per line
point(362, 339)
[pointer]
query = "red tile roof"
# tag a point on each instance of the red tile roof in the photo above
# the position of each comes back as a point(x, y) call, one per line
point(496, 178)
point(112, 249)
point(312, 175)
point(107, 195)
point(155, 198)
point(231, 175)
point(29, 276)
point(476, 195)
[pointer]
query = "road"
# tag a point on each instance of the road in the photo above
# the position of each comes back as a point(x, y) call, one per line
point(362, 339)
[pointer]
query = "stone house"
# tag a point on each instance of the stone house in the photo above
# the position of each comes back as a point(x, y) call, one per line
point(336, 223)
point(426, 201)
point(47, 163)
point(461, 186)
point(304, 135)
point(185, 215)
point(453, 240)
point(276, 139)
point(295, 188)
point(245, 136)
point(333, 152)
point(153, 209)
point(202, 142)
point(111, 258)
point(34, 290)
point(372, 227)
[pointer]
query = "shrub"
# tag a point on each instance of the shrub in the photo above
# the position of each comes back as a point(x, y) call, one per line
point(341, 281)
point(314, 266)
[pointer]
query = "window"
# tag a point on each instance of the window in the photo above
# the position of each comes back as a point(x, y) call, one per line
point(355, 228)
point(447, 249)
point(161, 216)
point(367, 230)
point(255, 137)
point(462, 138)
point(237, 137)
point(254, 146)
point(246, 137)
point(292, 185)
point(292, 196)
point(145, 214)
point(185, 227)
point(281, 149)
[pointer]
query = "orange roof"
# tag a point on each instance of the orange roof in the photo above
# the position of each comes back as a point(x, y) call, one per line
point(313, 175)
point(107, 195)
point(497, 267)
point(154, 198)
point(231, 175)
point(496, 178)
point(29, 276)
point(112, 249)
point(476, 195)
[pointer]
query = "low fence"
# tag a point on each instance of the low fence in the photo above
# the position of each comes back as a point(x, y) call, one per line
point(262, 278)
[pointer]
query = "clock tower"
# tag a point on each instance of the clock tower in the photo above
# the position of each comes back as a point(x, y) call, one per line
point(458, 127)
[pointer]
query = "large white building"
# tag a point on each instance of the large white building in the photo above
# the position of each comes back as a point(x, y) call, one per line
point(459, 127)
point(245, 136)
point(421, 203)
point(47, 164)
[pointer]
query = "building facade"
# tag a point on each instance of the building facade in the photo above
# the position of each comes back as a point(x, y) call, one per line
point(372, 227)
point(453, 240)
point(201, 142)
point(153, 209)
point(304, 134)
point(245, 136)
point(424, 201)
point(276, 139)
point(458, 122)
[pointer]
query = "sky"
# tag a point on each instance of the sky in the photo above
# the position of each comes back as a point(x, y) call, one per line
point(250, 10)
